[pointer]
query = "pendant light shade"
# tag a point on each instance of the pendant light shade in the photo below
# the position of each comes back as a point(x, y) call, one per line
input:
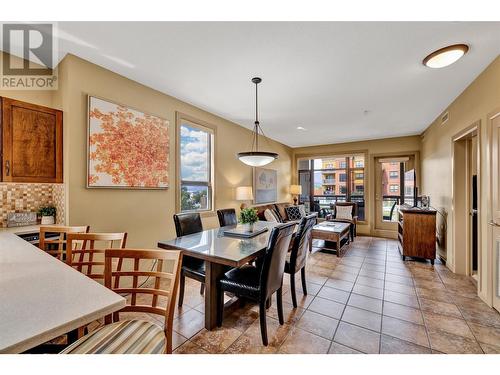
point(256, 158)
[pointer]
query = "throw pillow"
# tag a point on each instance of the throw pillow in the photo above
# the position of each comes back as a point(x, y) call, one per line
point(269, 215)
point(343, 212)
point(293, 213)
point(302, 209)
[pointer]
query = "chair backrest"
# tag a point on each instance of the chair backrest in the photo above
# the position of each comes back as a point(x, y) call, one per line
point(302, 242)
point(46, 244)
point(353, 205)
point(273, 265)
point(187, 223)
point(227, 216)
point(83, 255)
point(163, 283)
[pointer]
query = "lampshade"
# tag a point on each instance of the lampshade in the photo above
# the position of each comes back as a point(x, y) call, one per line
point(296, 189)
point(244, 193)
point(256, 158)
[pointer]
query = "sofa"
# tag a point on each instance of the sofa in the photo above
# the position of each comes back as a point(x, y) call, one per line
point(278, 208)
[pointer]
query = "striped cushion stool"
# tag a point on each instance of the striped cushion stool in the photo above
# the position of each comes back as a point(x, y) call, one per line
point(123, 337)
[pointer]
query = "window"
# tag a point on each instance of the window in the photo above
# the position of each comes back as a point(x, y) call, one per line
point(393, 174)
point(333, 179)
point(393, 188)
point(196, 166)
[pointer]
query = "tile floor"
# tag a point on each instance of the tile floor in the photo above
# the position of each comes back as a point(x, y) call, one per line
point(368, 301)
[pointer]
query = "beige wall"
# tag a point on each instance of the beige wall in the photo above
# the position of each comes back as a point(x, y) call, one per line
point(372, 149)
point(474, 104)
point(145, 215)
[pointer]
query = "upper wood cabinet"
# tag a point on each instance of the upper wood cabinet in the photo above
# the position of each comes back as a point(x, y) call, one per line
point(31, 142)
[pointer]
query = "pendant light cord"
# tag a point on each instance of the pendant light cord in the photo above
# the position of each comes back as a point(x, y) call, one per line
point(256, 117)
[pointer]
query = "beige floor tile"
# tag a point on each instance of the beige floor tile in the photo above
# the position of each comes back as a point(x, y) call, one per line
point(490, 349)
point(403, 330)
point(366, 303)
point(452, 344)
point(326, 307)
point(189, 323)
point(334, 294)
point(241, 319)
point(392, 345)
point(403, 312)
point(291, 315)
point(339, 284)
point(448, 324)
point(303, 342)
point(362, 318)
point(369, 281)
point(318, 324)
point(368, 291)
point(442, 308)
point(400, 298)
point(358, 338)
point(344, 275)
point(337, 348)
point(486, 335)
point(189, 348)
point(400, 288)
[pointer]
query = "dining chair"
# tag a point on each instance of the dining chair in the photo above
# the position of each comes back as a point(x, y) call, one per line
point(227, 216)
point(136, 336)
point(298, 255)
point(62, 231)
point(83, 255)
point(352, 220)
point(185, 224)
point(259, 283)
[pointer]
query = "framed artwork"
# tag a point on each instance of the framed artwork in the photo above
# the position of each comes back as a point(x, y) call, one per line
point(265, 185)
point(126, 148)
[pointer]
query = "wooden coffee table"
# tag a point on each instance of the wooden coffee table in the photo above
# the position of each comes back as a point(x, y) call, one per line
point(332, 232)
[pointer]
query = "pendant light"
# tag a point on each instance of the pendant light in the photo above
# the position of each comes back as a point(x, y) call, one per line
point(256, 158)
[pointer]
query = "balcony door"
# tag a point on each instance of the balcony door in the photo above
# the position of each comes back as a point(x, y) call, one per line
point(389, 191)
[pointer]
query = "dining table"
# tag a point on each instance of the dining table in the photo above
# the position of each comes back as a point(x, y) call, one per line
point(42, 298)
point(220, 251)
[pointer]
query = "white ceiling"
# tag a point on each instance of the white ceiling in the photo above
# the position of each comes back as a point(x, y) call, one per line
point(321, 76)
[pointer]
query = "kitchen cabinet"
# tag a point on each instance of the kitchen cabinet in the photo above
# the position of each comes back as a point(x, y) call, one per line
point(32, 142)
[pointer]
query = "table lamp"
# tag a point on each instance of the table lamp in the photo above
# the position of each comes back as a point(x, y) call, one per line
point(244, 193)
point(295, 190)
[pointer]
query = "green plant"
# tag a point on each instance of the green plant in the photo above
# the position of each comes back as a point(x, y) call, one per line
point(248, 216)
point(47, 211)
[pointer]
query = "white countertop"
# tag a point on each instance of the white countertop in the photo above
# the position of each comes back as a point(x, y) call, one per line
point(41, 297)
point(20, 230)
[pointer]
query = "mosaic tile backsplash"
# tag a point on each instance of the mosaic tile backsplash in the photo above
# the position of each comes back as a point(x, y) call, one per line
point(29, 197)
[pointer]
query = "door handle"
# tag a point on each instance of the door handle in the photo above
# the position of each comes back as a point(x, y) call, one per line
point(7, 167)
point(494, 223)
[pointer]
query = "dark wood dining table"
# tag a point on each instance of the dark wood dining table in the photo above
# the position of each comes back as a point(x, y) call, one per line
point(219, 251)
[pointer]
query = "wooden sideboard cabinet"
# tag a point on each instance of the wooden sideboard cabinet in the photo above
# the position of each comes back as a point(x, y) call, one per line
point(417, 233)
point(31, 142)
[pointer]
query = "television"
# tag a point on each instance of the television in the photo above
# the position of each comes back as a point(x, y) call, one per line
point(410, 188)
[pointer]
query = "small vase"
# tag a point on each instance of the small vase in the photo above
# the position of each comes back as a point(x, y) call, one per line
point(250, 227)
point(47, 220)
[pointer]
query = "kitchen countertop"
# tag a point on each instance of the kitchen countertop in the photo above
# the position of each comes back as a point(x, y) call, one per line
point(42, 297)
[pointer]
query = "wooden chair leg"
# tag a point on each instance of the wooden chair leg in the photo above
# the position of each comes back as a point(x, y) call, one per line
point(168, 347)
point(292, 289)
point(279, 302)
point(303, 278)
point(202, 288)
point(182, 284)
point(263, 323)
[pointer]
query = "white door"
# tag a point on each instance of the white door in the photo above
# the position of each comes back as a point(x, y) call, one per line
point(495, 211)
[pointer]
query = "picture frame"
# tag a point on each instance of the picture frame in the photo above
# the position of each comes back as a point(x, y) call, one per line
point(126, 148)
point(265, 185)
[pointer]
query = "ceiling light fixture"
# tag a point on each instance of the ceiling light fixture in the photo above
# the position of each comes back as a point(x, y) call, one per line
point(445, 56)
point(301, 128)
point(256, 158)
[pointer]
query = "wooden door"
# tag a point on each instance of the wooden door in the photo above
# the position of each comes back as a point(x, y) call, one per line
point(31, 143)
point(495, 211)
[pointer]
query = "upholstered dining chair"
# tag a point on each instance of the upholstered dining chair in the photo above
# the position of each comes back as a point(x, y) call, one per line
point(87, 258)
point(185, 224)
point(298, 255)
point(136, 336)
point(259, 283)
point(227, 216)
point(62, 231)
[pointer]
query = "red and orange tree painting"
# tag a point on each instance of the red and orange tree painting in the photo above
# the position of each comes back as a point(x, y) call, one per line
point(129, 148)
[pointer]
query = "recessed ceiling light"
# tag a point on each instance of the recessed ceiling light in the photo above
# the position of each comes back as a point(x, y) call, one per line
point(445, 56)
point(301, 128)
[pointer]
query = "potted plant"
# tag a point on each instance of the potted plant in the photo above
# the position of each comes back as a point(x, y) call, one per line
point(249, 216)
point(48, 214)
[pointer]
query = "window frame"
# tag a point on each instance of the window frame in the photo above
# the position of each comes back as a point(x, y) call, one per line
point(193, 122)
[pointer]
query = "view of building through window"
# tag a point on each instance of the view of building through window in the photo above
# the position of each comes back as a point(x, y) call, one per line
point(391, 189)
point(195, 168)
point(327, 180)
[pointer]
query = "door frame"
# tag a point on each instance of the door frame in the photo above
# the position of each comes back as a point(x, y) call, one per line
point(461, 258)
point(488, 294)
point(374, 231)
